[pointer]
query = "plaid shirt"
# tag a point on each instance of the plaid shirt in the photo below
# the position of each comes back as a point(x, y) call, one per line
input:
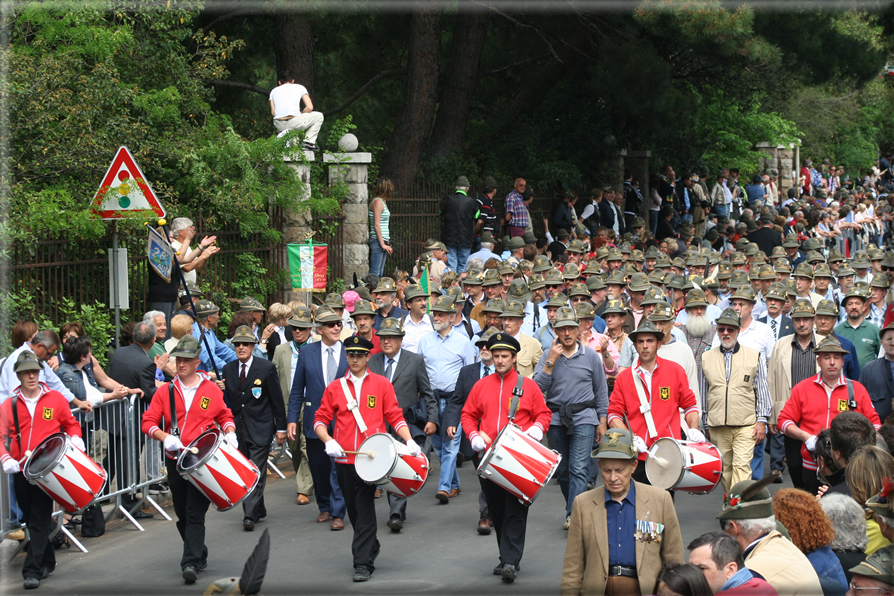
point(516, 206)
point(876, 316)
point(699, 346)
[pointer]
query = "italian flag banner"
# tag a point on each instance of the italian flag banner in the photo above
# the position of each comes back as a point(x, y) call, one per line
point(426, 287)
point(307, 264)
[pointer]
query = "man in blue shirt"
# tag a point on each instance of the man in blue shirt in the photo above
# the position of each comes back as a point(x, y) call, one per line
point(446, 351)
point(208, 319)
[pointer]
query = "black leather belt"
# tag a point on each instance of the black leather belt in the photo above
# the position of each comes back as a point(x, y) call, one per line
point(615, 570)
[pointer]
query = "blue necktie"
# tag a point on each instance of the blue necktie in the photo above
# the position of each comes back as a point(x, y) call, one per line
point(331, 369)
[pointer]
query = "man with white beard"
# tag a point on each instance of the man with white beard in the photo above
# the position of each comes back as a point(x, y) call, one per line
point(383, 297)
point(699, 331)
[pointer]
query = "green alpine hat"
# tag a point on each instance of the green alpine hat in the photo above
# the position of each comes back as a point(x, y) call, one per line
point(644, 328)
point(535, 282)
point(835, 256)
point(826, 308)
point(616, 443)
point(654, 296)
point(187, 347)
point(822, 270)
point(571, 271)
point(386, 284)
point(414, 291)
point(830, 345)
point(585, 310)
point(614, 255)
point(766, 272)
point(778, 252)
point(845, 271)
point(802, 309)
point(390, 326)
point(748, 499)
point(303, 318)
point(594, 282)
point(639, 282)
point(791, 241)
point(696, 298)
point(579, 289)
point(513, 309)
point(729, 317)
point(575, 246)
point(249, 304)
point(878, 566)
point(492, 278)
point(542, 264)
point(334, 300)
point(744, 293)
point(566, 317)
point(553, 277)
point(516, 243)
point(205, 308)
point(243, 334)
point(444, 304)
point(739, 279)
point(363, 307)
point(662, 312)
point(519, 291)
point(473, 278)
point(505, 268)
point(325, 314)
point(529, 237)
point(616, 279)
point(724, 270)
point(28, 361)
point(804, 270)
point(485, 337)
point(879, 280)
point(614, 307)
point(856, 292)
point(494, 306)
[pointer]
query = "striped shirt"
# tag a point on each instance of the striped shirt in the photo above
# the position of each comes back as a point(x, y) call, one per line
point(386, 219)
point(803, 361)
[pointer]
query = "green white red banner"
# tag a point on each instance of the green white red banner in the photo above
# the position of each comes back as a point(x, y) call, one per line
point(307, 265)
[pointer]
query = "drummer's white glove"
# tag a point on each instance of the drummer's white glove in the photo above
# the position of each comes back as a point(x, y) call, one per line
point(478, 443)
point(811, 444)
point(413, 448)
point(696, 436)
point(640, 444)
point(78, 442)
point(333, 449)
point(535, 433)
point(173, 444)
point(10, 466)
point(232, 440)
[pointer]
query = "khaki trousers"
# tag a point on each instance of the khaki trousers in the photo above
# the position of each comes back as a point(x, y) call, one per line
point(304, 482)
point(310, 123)
point(736, 446)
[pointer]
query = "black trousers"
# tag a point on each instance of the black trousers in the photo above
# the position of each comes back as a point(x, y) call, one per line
point(253, 505)
point(510, 519)
point(37, 510)
point(794, 461)
point(360, 501)
point(190, 505)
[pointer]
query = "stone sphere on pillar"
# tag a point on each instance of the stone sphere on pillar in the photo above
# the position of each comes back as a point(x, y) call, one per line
point(348, 143)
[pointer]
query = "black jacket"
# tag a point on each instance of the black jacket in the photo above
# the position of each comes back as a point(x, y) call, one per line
point(786, 326)
point(458, 215)
point(563, 217)
point(606, 214)
point(876, 377)
point(468, 376)
point(766, 239)
point(633, 198)
point(412, 389)
point(257, 405)
point(664, 229)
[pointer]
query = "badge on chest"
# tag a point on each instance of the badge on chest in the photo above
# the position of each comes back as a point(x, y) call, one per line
point(647, 531)
point(256, 392)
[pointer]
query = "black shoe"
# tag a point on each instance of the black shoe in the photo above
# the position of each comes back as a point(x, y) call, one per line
point(139, 514)
point(509, 573)
point(312, 147)
point(32, 583)
point(158, 489)
point(46, 573)
point(395, 524)
point(202, 566)
point(361, 574)
point(591, 485)
point(777, 480)
point(498, 570)
point(248, 525)
point(190, 574)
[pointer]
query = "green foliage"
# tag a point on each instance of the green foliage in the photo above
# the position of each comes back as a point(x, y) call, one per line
point(254, 279)
point(97, 322)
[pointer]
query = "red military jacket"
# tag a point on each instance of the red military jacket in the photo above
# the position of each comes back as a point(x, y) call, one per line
point(376, 404)
point(489, 402)
point(52, 414)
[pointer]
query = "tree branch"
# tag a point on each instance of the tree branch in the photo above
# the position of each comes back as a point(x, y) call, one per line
point(238, 85)
point(382, 75)
point(245, 12)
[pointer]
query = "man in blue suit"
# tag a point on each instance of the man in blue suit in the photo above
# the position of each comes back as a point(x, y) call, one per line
point(319, 364)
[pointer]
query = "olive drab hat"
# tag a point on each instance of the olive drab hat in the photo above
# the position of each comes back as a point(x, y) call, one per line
point(557, 301)
point(776, 292)
point(434, 288)
point(729, 317)
point(861, 261)
point(553, 277)
point(888, 261)
point(481, 342)
point(616, 443)
point(822, 270)
point(594, 282)
point(778, 252)
point(646, 327)
point(205, 308)
point(529, 237)
point(657, 277)
point(516, 243)
point(802, 309)
point(830, 345)
point(444, 304)
point(29, 361)
point(494, 306)
point(766, 272)
point(386, 284)
point(845, 271)
point(639, 282)
point(472, 278)
point(363, 307)
point(505, 268)
point(835, 256)
point(334, 300)
point(637, 255)
point(457, 295)
point(755, 274)
point(503, 341)
point(414, 291)
point(744, 293)
point(566, 317)
point(664, 262)
point(791, 241)
point(738, 258)
point(875, 254)
point(751, 250)
point(487, 237)
point(249, 304)
point(675, 282)
point(541, 264)
point(601, 253)
point(243, 334)
point(812, 244)
point(629, 269)
point(804, 270)
point(748, 499)
point(616, 278)
point(741, 243)
point(575, 246)
point(535, 282)
point(614, 307)
point(303, 318)
point(739, 279)
point(652, 252)
point(878, 566)
point(391, 327)
point(815, 257)
point(579, 289)
point(187, 347)
point(513, 309)
point(856, 292)
point(571, 271)
point(724, 270)
point(826, 308)
point(325, 314)
point(653, 296)
point(492, 278)
point(696, 298)
point(662, 312)
point(614, 255)
point(364, 293)
point(879, 280)
point(883, 502)
point(358, 345)
point(585, 310)
point(519, 291)
point(783, 266)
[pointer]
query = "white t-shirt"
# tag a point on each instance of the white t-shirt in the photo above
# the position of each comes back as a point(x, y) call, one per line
point(190, 276)
point(287, 99)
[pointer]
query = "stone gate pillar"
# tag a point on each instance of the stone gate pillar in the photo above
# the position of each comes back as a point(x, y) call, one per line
point(351, 168)
point(297, 218)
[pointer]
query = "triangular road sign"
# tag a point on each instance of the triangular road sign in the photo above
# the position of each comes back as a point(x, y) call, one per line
point(124, 190)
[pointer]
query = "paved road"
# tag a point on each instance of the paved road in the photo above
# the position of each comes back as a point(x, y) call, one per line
point(438, 552)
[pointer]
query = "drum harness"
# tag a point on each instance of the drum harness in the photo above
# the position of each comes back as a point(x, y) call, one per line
point(516, 396)
point(644, 405)
point(175, 430)
point(352, 406)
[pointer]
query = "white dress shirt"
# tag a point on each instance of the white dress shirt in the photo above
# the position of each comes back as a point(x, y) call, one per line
point(336, 353)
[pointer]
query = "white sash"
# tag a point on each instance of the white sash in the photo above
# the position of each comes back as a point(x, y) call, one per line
point(644, 405)
point(352, 406)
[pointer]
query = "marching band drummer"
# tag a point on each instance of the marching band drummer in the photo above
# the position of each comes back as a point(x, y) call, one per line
point(360, 403)
point(199, 406)
point(489, 403)
point(649, 395)
point(39, 412)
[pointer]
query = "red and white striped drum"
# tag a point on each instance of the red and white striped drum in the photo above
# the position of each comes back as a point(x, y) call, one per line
point(519, 464)
point(219, 470)
point(391, 467)
point(65, 473)
point(684, 465)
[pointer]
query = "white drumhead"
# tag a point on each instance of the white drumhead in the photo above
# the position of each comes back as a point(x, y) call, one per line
point(373, 469)
point(666, 476)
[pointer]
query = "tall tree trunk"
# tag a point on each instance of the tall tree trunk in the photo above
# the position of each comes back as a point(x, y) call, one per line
point(458, 87)
point(293, 43)
point(414, 121)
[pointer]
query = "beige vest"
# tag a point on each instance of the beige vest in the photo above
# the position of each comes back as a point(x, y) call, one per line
point(733, 403)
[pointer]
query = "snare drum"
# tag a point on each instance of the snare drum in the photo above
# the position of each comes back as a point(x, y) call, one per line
point(691, 467)
point(392, 468)
point(219, 470)
point(65, 473)
point(519, 464)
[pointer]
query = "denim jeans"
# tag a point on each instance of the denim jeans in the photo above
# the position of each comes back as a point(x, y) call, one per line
point(457, 257)
point(720, 210)
point(574, 469)
point(377, 258)
point(757, 462)
point(777, 451)
point(446, 450)
point(653, 221)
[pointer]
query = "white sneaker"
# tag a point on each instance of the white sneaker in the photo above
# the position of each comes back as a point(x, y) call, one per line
point(567, 523)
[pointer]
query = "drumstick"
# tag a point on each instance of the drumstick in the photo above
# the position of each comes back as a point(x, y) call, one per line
point(27, 455)
point(369, 454)
point(192, 450)
point(658, 460)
